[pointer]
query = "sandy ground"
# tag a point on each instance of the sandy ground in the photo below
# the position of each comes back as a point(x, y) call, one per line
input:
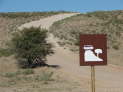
point(108, 78)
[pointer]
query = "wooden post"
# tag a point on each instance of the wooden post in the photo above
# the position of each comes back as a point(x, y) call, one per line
point(93, 78)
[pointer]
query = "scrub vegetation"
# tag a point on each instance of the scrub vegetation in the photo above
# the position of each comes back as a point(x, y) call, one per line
point(99, 22)
point(14, 42)
point(9, 22)
point(30, 47)
point(45, 80)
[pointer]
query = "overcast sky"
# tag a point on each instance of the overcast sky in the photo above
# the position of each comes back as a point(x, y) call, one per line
point(56, 5)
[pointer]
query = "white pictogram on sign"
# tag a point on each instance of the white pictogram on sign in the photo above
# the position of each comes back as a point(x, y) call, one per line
point(89, 55)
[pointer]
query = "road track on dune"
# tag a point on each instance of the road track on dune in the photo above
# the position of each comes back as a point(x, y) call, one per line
point(108, 78)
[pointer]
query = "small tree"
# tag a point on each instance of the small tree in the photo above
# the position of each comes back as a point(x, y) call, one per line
point(30, 47)
point(98, 51)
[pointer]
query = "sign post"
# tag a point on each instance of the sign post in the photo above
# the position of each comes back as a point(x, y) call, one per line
point(93, 52)
point(92, 78)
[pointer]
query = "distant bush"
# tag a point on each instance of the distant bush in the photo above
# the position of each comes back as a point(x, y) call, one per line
point(17, 73)
point(116, 46)
point(5, 52)
point(28, 71)
point(10, 74)
point(30, 47)
point(45, 76)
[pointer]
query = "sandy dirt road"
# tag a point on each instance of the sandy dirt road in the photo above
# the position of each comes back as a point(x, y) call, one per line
point(108, 78)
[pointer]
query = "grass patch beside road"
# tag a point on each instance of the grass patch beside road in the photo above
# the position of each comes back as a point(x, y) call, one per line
point(5, 52)
point(40, 80)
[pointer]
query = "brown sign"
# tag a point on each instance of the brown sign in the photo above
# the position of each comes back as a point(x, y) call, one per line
point(93, 50)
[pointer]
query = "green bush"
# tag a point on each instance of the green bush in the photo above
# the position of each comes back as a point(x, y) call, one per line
point(5, 52)
point(30, 47)
point(17, 73)
point(115, 46)
point(28, 71)
point(10, 74)
point(45, 77)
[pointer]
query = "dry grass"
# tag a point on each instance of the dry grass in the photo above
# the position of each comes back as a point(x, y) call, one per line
point(8, 64)
point(101, 22)
point(13, 79)
point(109, 23)
point(37, 81)
point(9, 22)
